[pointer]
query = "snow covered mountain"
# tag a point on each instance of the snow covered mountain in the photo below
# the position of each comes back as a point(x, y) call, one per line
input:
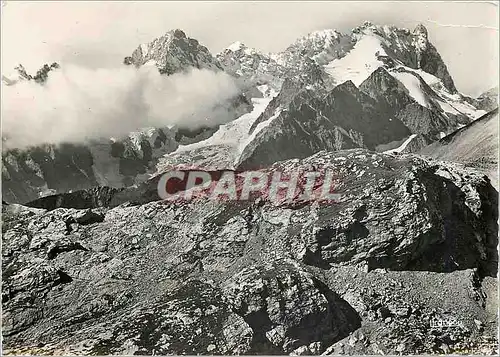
point(394, 76)
point(30, 173)
point(173, 52)
point(377, 87)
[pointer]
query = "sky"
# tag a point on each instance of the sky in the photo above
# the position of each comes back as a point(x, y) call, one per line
point(100, 34)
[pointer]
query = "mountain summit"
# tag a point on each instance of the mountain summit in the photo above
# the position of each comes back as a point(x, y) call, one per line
point(173, 52)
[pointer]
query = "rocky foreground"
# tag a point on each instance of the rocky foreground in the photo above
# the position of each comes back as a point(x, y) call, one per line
point(406, 263)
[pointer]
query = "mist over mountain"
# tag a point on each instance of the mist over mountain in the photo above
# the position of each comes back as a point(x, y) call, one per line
point(77, 104)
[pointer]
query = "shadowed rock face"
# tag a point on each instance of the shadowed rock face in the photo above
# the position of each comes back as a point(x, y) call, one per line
point(315, 120)
point(242, 277)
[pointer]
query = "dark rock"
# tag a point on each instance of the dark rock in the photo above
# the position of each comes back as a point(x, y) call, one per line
point(288, 308)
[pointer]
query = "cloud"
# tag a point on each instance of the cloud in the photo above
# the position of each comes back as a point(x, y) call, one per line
point(77, 104)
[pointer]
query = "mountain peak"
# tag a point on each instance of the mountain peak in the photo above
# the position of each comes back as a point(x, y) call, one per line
point(411, 48)
point(346, 87)
point(321, 34)
point(173, 52)
point(240, 49)
point(317, 39)
point(21, 74)
point(321, 46)
point(236, 46)
point(420, 30)
point(380, 74)
point(178, 33)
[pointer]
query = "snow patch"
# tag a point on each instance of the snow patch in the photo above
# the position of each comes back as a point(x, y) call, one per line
point(259, 128)
point(412, 83)
point(359, 63)
point(402, 147)
point(144, 50)
point(236, 46)
point(236, 132)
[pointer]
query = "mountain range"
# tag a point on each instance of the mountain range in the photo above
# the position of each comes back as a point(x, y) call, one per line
point(373, 88)
point(406, 262)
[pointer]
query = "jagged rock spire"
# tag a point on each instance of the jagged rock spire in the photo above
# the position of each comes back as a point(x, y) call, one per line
point(173, 52)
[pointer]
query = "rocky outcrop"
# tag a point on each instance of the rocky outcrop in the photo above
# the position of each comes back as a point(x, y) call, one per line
point(288, 309)
point(252, 277)
point(383, 87)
